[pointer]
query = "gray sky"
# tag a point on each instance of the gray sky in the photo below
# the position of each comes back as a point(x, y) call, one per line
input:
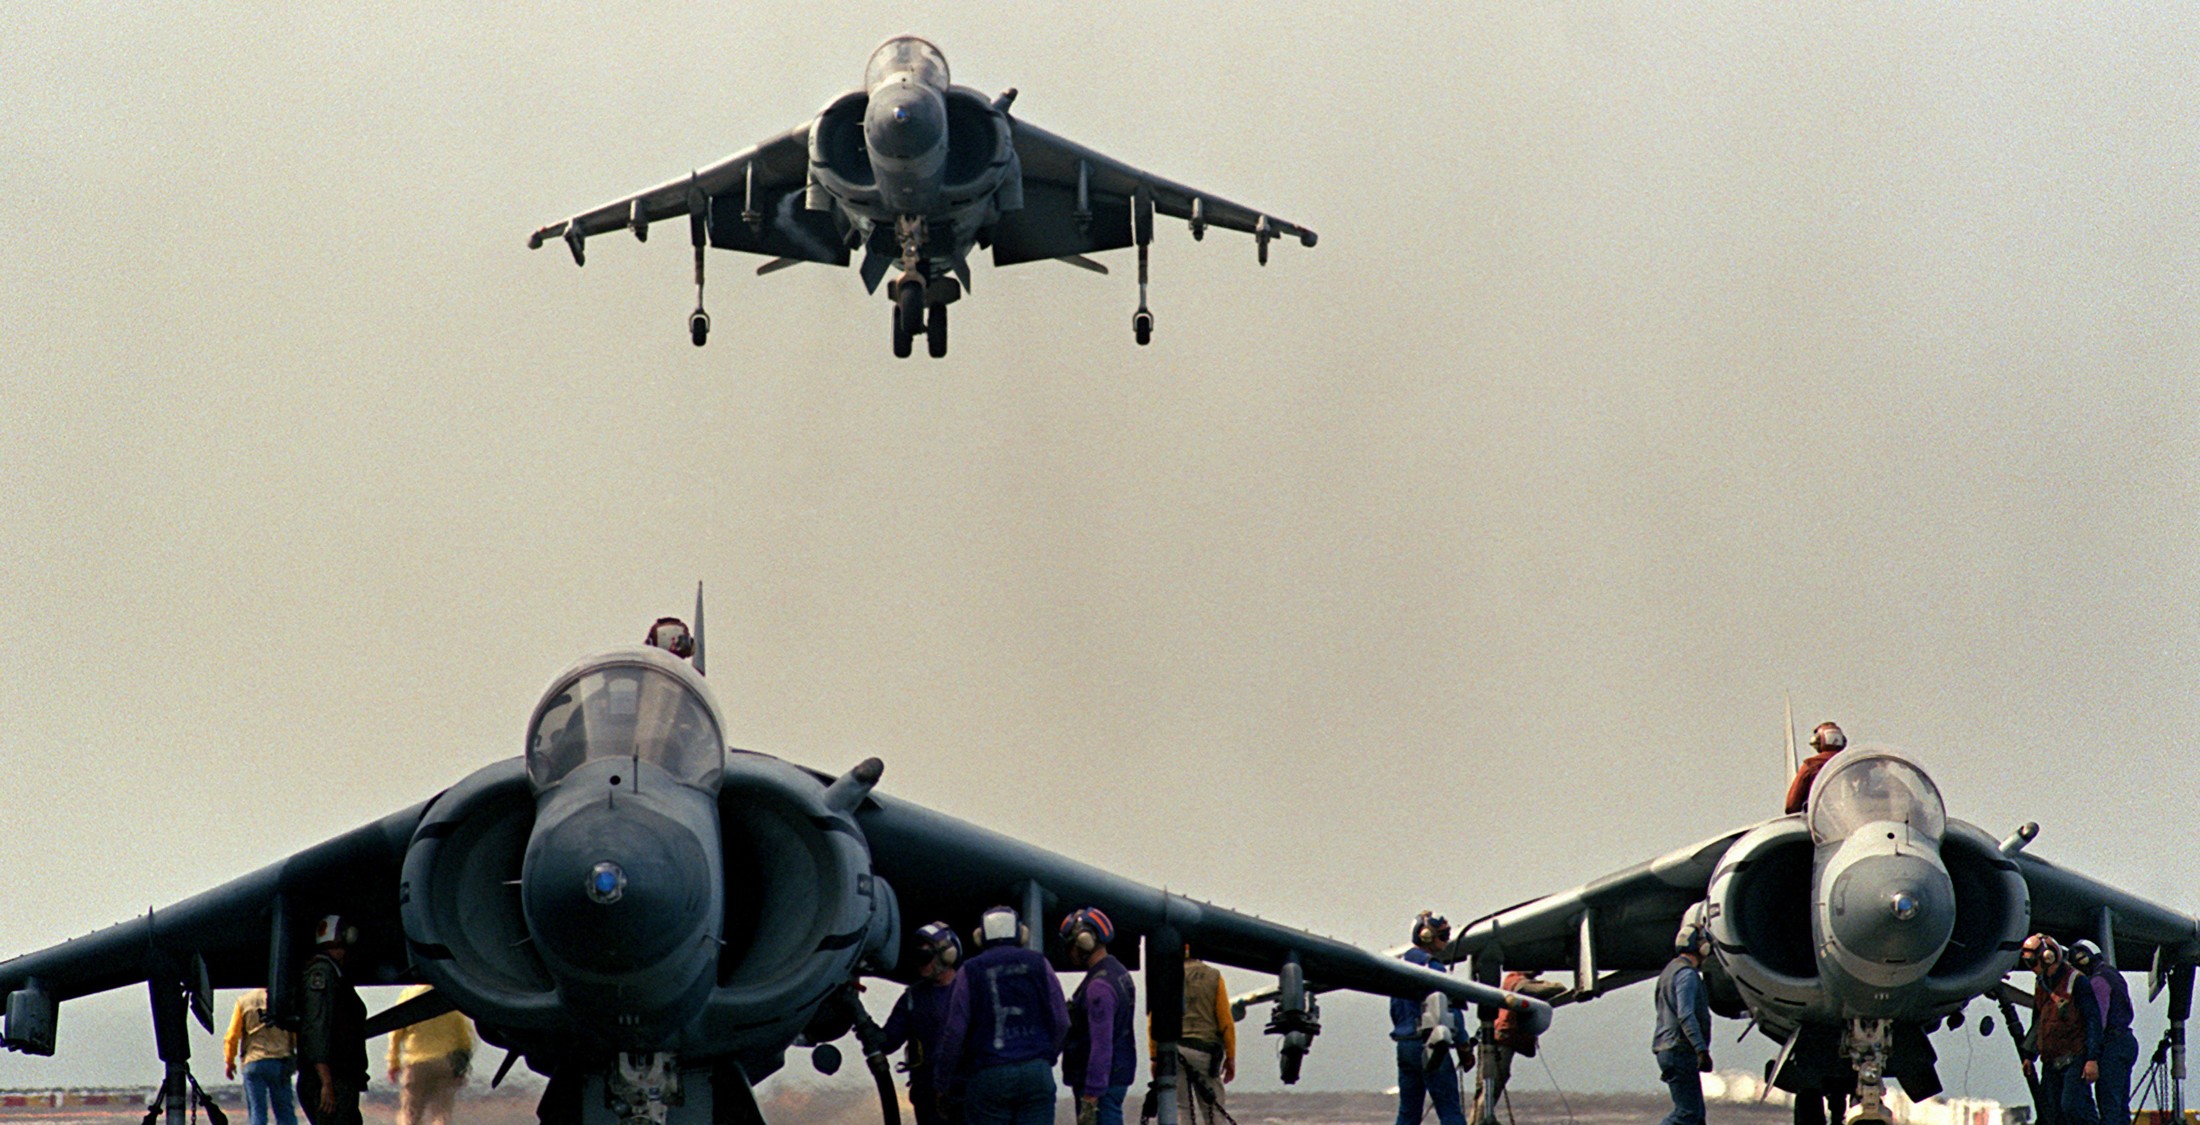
point(1655, 360)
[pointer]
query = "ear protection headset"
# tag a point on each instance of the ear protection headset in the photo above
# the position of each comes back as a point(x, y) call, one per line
point(2039, 952)
point(940, 941)
point(1086, 930)
point(333, 930)
point(1430, 926)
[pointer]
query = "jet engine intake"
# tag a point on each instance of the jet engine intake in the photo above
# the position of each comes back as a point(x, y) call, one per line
point(460, 900)
point(802, 907)
point(1759, 917)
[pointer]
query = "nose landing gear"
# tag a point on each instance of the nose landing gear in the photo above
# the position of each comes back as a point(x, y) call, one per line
point(920, 307)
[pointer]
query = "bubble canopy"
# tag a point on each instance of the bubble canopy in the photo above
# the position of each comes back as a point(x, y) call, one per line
point(906, 55)
point(1860, 787)
point(625, 707)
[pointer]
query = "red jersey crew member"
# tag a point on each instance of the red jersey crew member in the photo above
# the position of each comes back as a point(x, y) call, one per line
point(1826, 741)
point(2066, 1032)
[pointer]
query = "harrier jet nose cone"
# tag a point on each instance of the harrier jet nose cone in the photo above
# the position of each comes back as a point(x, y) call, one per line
point(1904, 906)
point(614, 890)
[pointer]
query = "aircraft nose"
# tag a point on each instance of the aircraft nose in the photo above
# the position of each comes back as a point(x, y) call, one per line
point(905, 121)
point(1894, 909)
point(613, 889)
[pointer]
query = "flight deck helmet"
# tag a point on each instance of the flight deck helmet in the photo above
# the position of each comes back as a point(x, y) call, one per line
point(2083, 954)
point(2040, 953)
point(671, 634)
point(939, 943)
point(1828, 738)
point(1429, 927)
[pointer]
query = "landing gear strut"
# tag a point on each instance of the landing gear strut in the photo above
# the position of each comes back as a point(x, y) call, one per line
point(1142, 233)
point(920, 307)
point(699, 234)
point(1867, 1046)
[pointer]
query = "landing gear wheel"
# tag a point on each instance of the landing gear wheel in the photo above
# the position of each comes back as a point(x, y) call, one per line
point(935, 331)
point(699, 327)
point(1142, 327)
point(908, 317)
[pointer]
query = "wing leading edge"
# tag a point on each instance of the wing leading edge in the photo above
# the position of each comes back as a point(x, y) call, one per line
point(941, 867)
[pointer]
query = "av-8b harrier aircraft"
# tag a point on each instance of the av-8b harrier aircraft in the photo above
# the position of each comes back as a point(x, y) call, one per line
point(652, 919)
point(1847, 932)
point(912, 174)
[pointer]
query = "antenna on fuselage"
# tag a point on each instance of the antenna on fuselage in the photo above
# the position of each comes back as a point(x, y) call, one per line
point(1788, 698)
point(698, 631)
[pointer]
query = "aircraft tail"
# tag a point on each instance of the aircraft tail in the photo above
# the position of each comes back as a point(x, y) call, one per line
point(698, 631)
point(1794, 763)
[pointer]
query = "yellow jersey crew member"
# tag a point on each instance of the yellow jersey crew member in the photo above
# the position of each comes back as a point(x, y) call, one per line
point(1206, 1048)
point(268, 1055)
point(428, 1063)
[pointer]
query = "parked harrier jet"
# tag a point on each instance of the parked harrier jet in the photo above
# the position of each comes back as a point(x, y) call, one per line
point(1846, 932)
point(651, 919)
point(912, 173)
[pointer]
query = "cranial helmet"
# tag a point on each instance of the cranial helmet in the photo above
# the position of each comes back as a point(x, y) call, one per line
point(1828, 737)
point(1087, 929)
point(939, 940)
point(1693, 938)
point(2040, 953)
point(2084, 953)
point(1430, 926)
point(671, 634)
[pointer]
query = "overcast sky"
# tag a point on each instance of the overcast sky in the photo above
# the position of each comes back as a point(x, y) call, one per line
point(1656, 360)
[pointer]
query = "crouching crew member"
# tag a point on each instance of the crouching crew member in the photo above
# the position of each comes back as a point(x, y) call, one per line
point(332, 1042)
point(914, 1025)
point(2109, 1067)
point(1512, 1038)
point(1003, 1030)
point(2066, 1031)
point(1100, 1058)
point(1206, 1047)
point(1425, 1069)
point(1682, 1042)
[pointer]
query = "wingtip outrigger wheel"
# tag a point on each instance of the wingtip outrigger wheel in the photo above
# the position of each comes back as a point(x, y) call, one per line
point(1142, 234)
point(699, 234)
point(1142, 326)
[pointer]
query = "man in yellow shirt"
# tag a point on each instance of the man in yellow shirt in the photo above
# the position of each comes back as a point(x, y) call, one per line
point(428, 1063)
point(1207, 1047)
point(267, 1053)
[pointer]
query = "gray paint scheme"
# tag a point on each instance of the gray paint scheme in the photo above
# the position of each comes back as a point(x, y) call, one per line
point(764, 888)
point(1804, 975)
point(971, 176)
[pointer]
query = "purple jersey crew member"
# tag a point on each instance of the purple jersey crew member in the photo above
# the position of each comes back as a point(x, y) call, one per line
point(1002, 1032)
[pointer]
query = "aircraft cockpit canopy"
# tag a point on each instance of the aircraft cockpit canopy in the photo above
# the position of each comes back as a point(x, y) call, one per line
point(1860, 787)
point(907, 54)
point(625, 710)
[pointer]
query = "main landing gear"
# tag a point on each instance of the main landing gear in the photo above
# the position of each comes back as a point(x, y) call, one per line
point(920, 308)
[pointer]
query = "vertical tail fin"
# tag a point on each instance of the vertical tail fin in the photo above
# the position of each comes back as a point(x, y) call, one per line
point(1794, 763)
point(699, 647)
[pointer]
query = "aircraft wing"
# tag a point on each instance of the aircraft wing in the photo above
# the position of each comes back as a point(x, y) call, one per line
point(753, 202)
point(943, 868)
point(1048, 225)
point(1632, 916)
point(231, 929)
point(2070, 906)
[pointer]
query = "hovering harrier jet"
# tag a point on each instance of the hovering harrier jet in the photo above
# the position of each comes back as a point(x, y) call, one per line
point(909, 175)
point(652, 919)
